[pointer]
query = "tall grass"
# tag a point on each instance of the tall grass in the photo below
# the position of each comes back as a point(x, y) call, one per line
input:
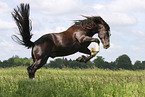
point(14, 82)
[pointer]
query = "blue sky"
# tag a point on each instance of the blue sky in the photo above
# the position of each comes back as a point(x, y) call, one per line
point(125, 17)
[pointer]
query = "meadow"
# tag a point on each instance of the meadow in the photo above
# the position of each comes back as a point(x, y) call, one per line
point(14, 82)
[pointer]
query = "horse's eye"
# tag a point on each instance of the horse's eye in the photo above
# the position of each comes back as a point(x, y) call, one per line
point(101, 35)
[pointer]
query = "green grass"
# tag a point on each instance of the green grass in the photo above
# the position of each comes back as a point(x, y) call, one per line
point(14, 82)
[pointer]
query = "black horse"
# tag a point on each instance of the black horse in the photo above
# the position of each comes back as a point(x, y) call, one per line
point(77, 38)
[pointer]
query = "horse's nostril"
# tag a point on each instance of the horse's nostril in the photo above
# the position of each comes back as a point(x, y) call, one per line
point(107, 45)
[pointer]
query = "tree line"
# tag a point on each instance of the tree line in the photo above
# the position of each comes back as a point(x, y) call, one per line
point(122, 62)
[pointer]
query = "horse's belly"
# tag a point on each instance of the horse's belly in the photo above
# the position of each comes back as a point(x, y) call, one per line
point(63, 51)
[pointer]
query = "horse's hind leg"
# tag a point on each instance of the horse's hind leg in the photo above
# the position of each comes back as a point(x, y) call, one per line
point(36, 65)
point(40, 54)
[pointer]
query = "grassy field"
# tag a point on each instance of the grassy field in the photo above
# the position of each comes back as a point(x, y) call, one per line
point(14, 82)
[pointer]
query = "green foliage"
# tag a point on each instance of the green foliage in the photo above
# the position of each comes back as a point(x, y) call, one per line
point(15, 61)
point(139, 65)
point(64, 63)
point(123, 62)
point(99, 62)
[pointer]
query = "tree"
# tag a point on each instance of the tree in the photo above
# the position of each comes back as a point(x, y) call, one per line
point(123, 62)
point(143, 64)
point(139, 65)
point(111, 65)
point(64, 63)
point(15, 61)
point(99, 62)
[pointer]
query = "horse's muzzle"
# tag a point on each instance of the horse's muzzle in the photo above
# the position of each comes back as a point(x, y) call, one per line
point(106, 46)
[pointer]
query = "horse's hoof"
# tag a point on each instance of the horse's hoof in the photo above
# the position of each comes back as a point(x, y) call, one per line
point(33, 79)
point(81, 59)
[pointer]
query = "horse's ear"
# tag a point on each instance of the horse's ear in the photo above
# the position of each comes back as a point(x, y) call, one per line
point(101, 20)
point(98, 20)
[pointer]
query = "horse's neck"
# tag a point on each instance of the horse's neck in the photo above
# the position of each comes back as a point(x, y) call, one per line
point(91, 33)
point(73, 29)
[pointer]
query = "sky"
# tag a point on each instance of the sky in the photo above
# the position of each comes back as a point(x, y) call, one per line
point(125, 17)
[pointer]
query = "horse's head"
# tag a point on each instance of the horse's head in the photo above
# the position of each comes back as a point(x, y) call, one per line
point(104, 35)
point(103, 30)
point(95, 25)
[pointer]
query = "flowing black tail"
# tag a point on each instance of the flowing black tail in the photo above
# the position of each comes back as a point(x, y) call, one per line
point(21, 17)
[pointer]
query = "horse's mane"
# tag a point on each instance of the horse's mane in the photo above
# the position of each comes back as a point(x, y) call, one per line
point(91, 22)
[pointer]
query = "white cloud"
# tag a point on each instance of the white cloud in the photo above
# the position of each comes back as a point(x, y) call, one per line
point(114, 46)
point(138, 33)
point(4, 7)
point(5, 49)
point(52, 7)
point(6, 44)
point(5, 16)
point(136, 48)
point(127, 5)
point(98, 6)
point(38, 33)
point(6, 24)
point(113, 13)
point(60, 29)
point(119, 19)
point(58, 6)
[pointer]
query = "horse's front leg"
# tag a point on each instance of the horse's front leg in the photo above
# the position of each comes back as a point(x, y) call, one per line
point(92, 53)
point(83, 39)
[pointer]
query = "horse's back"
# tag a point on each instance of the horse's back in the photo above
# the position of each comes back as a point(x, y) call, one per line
point(43, 39)
point(61, 44)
